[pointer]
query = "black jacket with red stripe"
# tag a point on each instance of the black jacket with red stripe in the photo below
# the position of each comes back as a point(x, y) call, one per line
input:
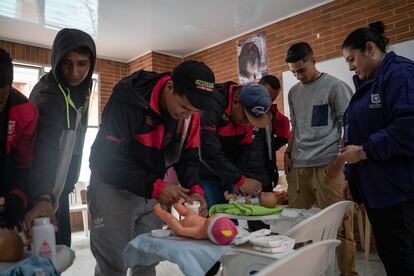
point(225, 147)
point(131, 148)
point(17, 148)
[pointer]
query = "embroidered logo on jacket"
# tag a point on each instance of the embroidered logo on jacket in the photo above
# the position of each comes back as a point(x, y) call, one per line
point(375, 101)
point(11, 127)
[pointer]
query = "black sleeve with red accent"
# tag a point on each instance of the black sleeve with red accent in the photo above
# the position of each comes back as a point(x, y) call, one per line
point(211, 153)
point(188, 167)
point(44, 166)
point(114, 158)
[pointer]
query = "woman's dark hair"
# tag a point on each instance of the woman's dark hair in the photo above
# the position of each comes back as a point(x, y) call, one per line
point(6, 69)
point(299, 51)
point(359, 38)
point(248, 54)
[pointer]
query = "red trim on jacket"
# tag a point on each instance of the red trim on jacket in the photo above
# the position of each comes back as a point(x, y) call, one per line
point(152, 139)
point(196, 190)
point(157, 188)
point(156, 93)
point(239, 184)
point(231, 130)
point(280, 123)
point(22, 124)
point(230, 98)
point(21, 195)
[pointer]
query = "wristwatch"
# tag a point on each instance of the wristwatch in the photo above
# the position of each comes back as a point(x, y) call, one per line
point(361, 153)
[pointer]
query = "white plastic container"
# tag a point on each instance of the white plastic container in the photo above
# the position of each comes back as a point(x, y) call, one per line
point(44, 240)
point(193, 207)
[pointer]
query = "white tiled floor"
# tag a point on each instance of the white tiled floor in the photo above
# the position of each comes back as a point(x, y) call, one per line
point(84, 262)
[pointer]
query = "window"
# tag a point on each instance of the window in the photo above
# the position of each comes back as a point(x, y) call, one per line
point(25, 77)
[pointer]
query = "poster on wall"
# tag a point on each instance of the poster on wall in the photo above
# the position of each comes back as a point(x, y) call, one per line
point(251, 55)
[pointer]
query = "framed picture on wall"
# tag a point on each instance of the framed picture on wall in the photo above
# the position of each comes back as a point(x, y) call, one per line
point(251, 55)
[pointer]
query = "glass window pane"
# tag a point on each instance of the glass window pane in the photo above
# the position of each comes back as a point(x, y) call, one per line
point(85, 172)
point(93, 117)
point(25, 78)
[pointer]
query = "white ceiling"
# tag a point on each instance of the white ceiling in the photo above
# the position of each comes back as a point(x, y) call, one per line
point(126, 29)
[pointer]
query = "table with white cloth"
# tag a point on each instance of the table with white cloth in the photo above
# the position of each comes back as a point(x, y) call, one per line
point(64, 259)
point(196, 257)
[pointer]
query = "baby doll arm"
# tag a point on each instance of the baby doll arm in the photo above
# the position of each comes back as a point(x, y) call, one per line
point(182, 210)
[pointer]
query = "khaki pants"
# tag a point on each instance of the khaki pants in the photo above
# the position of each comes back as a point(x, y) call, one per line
point(309, 187)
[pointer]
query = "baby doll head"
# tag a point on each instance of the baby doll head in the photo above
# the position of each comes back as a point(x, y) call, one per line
point(221, 230)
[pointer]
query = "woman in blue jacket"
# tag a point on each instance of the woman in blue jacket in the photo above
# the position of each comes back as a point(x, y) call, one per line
point(379, 143)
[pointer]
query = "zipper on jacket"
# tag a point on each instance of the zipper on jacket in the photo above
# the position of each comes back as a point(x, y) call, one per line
point(69, 102)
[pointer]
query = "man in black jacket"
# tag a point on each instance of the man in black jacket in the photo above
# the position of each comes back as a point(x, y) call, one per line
point(226, 140)
point(149, 124)
point(278, 131)
point(18, 121)
point(62, 97)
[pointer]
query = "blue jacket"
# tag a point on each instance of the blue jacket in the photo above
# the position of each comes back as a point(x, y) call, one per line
point(380, 117)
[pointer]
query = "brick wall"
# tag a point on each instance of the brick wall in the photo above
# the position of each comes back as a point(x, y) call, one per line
point(110, 72)
point(332, 22)
point(154, 61)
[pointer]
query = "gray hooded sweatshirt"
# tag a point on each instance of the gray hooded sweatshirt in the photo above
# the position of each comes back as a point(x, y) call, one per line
point(63, 112)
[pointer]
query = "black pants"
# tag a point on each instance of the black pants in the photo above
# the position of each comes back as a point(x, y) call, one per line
point(393, 229)
point(63, 235)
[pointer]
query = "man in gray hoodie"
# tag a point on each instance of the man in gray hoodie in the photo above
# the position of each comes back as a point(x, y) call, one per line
point(62, 97)
point(314, 172)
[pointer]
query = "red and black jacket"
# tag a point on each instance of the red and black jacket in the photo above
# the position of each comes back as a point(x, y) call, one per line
point(130, 148)
point(17, 151)
point(225, 146)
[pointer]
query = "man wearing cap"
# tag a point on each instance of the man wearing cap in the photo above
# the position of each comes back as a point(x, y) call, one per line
point(149, 124)
point(226, 137)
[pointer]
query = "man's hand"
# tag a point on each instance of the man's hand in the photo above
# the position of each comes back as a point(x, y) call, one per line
point(350, 154)
point(203, 211)
point(251, 187)
point(288, 162)
point(41, 209)
point(172, 194)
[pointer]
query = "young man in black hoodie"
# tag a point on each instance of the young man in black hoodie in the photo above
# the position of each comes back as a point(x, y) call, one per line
point(149, 124)
point(62, 97)
point(18, 121)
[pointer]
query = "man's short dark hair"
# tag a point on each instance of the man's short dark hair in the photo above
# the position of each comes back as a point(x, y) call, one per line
point(6, 69)
point(299, 51)
point(272, 81)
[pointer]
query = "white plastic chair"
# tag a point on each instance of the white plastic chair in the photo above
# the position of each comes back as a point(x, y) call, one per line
point(76, 205)
point(310, 260)
point(321, 226)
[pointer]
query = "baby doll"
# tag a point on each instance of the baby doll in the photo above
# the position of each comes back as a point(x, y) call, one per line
point(218, 228)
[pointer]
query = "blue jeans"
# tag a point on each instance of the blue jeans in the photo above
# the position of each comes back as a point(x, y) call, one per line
point(214, 190)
